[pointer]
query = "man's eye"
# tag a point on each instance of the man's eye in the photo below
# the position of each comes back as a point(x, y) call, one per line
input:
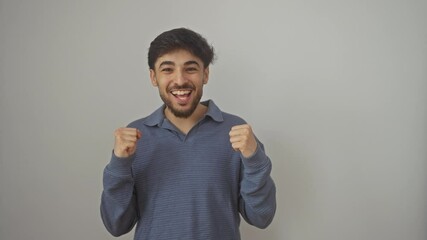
point(167, 70)
point(191, 69)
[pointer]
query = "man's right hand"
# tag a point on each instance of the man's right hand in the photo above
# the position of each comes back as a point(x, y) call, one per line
point(125, 141)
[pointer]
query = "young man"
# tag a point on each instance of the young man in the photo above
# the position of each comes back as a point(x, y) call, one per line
point(187, 170)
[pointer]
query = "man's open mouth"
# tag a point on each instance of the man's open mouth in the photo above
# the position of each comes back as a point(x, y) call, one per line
point(181, 94)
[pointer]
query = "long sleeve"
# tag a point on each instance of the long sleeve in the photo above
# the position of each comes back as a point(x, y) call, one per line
point(118, 200)
point(257, 189)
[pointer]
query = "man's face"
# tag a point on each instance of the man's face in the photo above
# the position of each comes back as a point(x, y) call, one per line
point(180, 76)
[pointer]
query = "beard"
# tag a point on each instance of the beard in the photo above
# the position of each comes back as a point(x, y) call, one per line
point(182, 113)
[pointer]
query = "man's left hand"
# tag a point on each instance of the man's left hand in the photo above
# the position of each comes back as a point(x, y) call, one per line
point(242, 139)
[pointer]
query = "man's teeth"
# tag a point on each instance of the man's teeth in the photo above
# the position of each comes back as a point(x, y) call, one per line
point(181, 92)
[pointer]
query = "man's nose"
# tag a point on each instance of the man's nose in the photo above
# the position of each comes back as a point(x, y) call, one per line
point(180, 77)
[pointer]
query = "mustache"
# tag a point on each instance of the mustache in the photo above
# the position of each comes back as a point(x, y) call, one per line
point(185, 86)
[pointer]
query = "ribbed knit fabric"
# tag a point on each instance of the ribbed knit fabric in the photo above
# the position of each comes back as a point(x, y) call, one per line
point(189, 187)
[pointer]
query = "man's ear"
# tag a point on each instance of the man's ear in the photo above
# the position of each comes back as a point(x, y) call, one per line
point(153, 78)
point(206, 75)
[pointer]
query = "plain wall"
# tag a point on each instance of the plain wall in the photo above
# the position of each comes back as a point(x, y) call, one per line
point(336, 91)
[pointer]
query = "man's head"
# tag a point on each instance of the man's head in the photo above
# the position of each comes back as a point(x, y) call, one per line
point(180, 38)
point(179, 62)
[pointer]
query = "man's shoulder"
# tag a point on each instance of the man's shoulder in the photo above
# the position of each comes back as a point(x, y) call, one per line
point(229, 120)
point(154, 119)
point(138, 123)
point(221, 116)
point(229, 117)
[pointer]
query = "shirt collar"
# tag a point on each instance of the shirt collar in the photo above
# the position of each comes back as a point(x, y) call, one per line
point(158, 116)
point(213, 111)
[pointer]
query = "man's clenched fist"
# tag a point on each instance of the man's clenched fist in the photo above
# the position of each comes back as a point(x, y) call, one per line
point(242, 139)
point(125, 141)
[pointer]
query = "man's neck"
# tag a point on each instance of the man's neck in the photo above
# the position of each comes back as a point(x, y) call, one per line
point(186, 124)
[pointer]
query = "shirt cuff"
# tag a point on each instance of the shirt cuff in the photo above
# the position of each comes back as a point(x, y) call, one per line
point(121, 166)
point(258, 160)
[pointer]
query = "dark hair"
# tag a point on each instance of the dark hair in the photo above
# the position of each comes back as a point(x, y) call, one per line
point(180, 38)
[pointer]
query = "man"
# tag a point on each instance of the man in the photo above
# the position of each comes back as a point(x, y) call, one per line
point(187, 170)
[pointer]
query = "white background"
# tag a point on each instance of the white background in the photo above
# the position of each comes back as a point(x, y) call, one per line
point(336, 91)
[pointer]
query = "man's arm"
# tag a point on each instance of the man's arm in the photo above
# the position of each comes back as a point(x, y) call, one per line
point(118, 201)
point(257, 190)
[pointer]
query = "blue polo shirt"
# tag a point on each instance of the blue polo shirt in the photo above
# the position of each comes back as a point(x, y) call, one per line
point(187, 186)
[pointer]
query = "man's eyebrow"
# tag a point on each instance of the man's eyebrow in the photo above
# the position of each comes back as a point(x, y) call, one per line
point(166, 63)
point(191, 62)
point(173, 64)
